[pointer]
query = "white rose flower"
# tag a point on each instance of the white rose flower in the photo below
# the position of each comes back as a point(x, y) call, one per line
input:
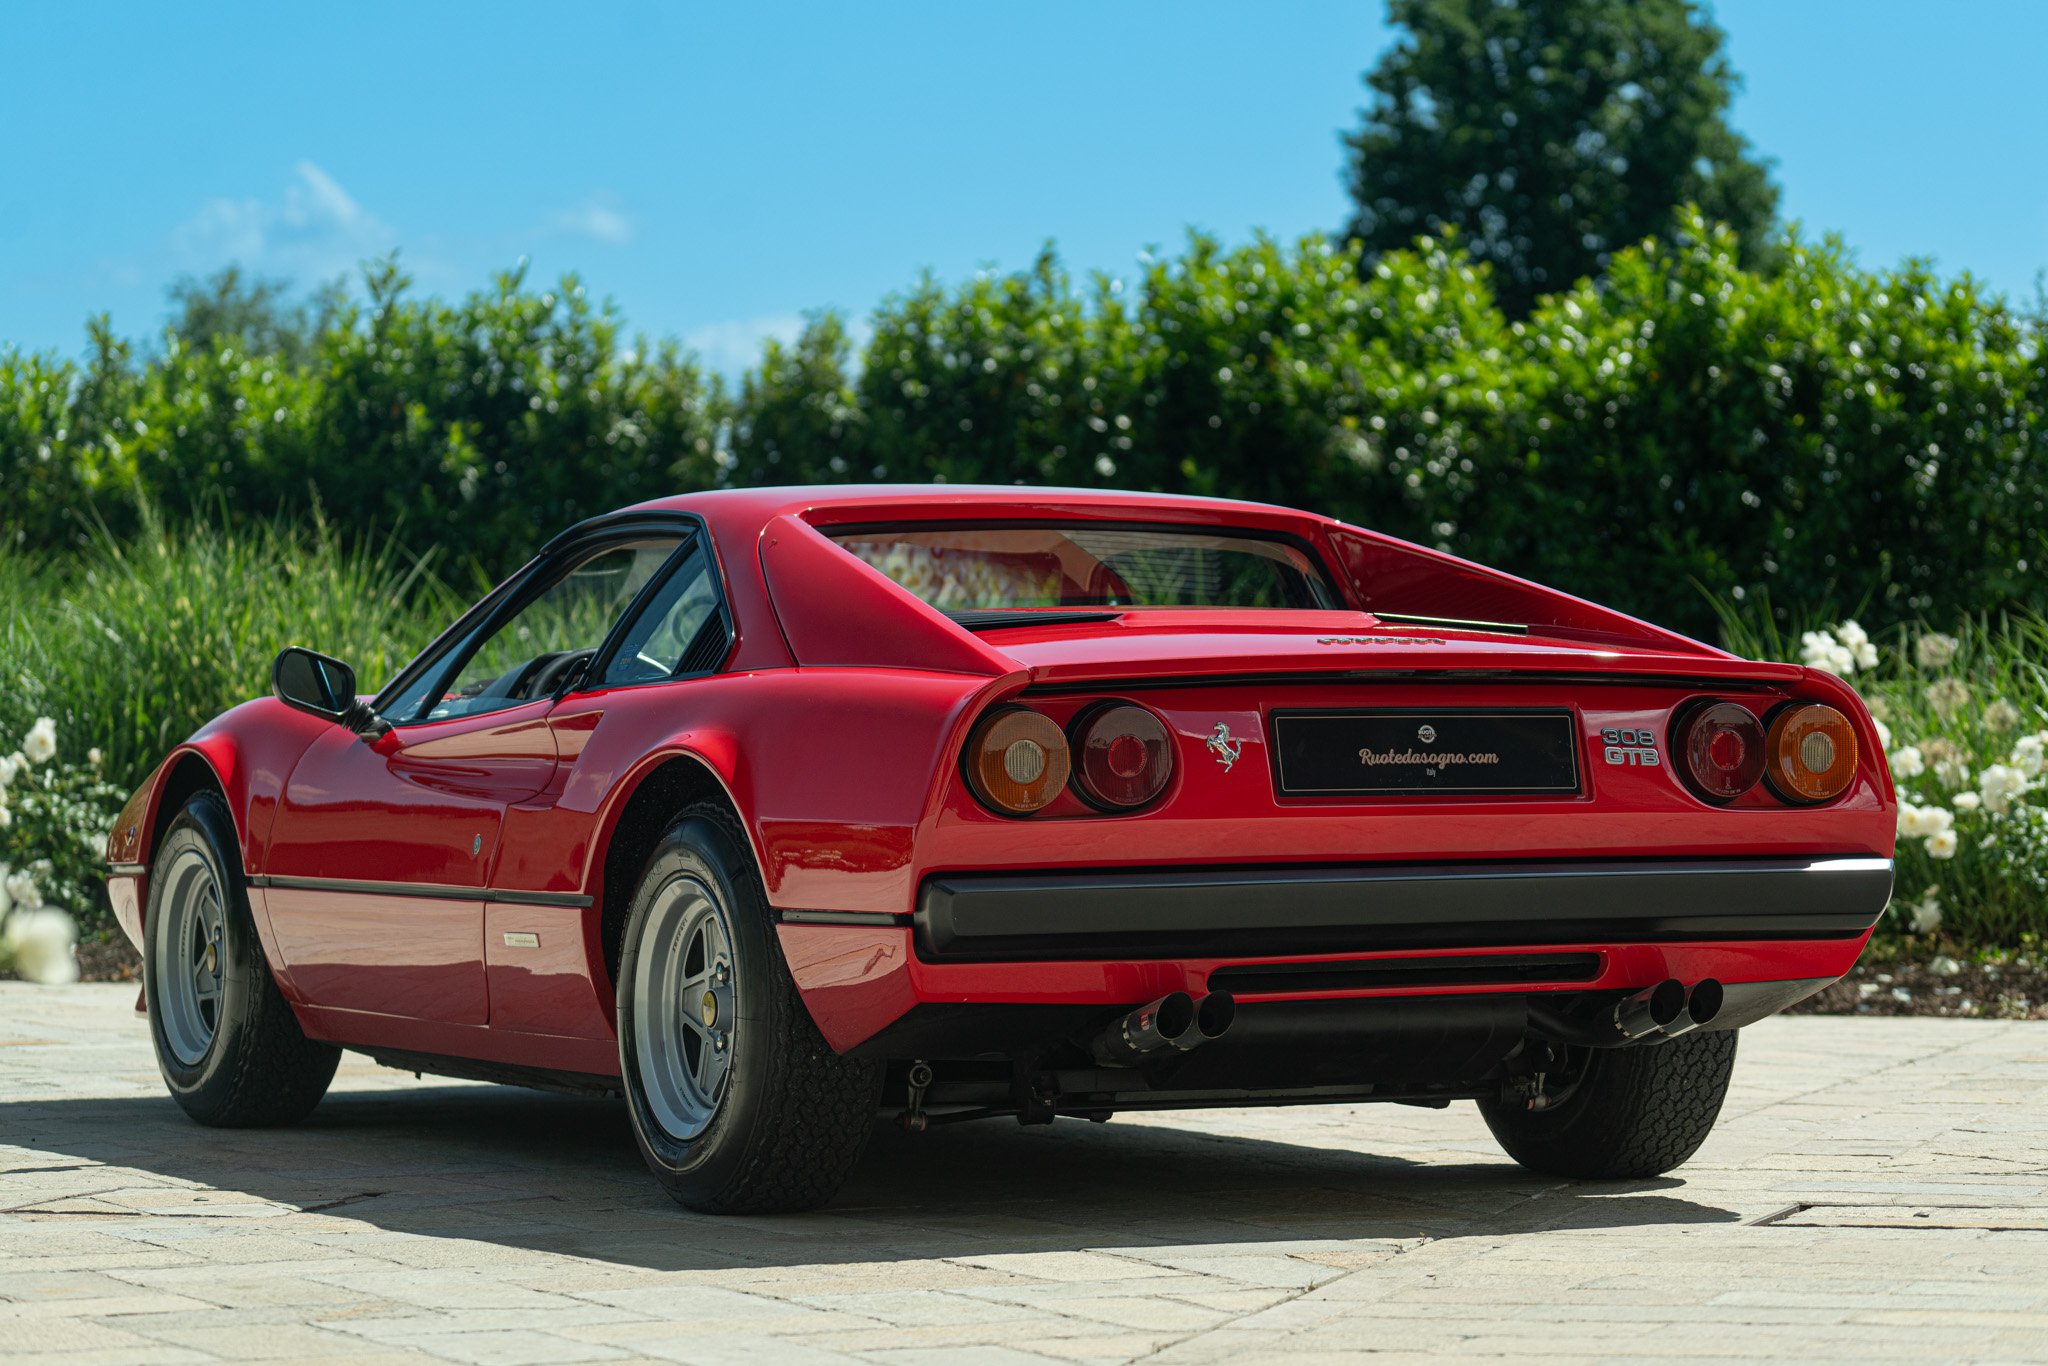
point(2029, 754)
point(1947, 695)
point(2002, 715)
point(1884, 732)
point(1924, 916)
point(8, 768)
point(40, 744)
point(1934, 650)
point(1852, 635)
point(1934, 820)
point(93, 756)
point(6, 816)
point(1942, 844)
point(1866, 655)
point(1952, 772)
point(22, 892)
point(1909, 820)
point(1816, 648)
point(1908, 763)
point(1998, 785)
point(1967, 801)
point(40, 943)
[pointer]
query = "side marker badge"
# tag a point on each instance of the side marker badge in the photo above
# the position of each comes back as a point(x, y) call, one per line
point(1224, 747)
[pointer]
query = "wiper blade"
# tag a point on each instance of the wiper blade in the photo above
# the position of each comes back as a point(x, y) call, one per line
point(1028, 616)
point(1513, 628)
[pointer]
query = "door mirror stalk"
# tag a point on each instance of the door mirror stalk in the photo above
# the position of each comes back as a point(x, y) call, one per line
point(322, 686)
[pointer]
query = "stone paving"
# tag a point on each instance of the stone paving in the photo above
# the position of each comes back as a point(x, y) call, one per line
point(1876, 1189)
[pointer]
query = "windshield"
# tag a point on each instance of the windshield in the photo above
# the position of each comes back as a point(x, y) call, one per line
point(987, 568)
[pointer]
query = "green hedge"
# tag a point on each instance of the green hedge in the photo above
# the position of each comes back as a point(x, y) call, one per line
point(1822, 437)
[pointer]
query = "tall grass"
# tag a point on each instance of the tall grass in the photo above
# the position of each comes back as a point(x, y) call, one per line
point(131, 647)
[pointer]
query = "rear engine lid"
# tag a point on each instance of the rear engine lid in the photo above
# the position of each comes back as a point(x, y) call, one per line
point(1170, 644)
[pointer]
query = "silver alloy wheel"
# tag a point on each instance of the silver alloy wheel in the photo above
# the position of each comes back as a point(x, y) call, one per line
point(685, 1007)
point(190, 966)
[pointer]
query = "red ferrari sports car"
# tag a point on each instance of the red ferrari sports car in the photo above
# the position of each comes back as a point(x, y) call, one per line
point(771, 809)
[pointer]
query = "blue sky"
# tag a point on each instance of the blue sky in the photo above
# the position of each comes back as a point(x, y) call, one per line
point(718, 171)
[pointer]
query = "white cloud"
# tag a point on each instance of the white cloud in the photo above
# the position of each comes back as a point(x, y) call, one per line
point(597, 221)
point(313, 230)
point(730, 347)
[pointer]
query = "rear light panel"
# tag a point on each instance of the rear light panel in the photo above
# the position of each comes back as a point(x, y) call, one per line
point(1810, 753)
point(1720, 750)
point(1123, 755)
point(1017, 761)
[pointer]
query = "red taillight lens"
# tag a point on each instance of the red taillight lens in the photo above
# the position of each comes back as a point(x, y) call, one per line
point(1017, 761)
point(1721, 748)
point(1125, 755)
point(1812, 753)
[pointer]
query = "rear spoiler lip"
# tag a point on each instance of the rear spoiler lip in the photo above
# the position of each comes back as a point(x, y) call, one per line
point(1725, 675)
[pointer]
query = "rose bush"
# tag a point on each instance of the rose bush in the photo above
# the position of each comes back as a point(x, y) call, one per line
point(1964, 719)
point(54, 819)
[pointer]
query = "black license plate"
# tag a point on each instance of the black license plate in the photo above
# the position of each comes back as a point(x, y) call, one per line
point(1373, 753)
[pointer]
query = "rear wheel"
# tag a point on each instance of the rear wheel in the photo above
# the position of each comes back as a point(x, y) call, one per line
point(738, 1103)
point(228, 1046)
point(1632, 1113)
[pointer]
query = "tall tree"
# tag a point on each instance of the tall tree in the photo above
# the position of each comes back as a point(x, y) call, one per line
point(1550, 134)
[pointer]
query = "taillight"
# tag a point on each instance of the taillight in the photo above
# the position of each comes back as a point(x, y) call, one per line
point(1811, 753)
point(1017, 760)
point(1721, 750)
point(1125, 755)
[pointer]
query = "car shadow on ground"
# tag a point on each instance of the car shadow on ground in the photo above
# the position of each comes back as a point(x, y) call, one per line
point(560, 1174)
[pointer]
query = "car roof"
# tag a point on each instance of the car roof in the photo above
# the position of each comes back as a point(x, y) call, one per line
point(832, 502)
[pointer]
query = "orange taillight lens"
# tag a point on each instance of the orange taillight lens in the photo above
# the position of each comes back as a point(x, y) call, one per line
point(1811, 753)
point(1017, 761)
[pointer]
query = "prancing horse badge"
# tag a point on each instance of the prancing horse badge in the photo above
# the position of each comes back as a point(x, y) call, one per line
point(1223, 747)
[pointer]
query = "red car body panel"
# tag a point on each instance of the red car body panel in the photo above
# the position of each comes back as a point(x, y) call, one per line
point(386, 876)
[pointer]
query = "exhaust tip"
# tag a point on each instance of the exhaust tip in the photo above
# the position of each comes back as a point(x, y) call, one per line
point(1650, 1010)
point(1667, 1001)
point(1703, 1003)
point(1214, 1014)
point(1172, 1014)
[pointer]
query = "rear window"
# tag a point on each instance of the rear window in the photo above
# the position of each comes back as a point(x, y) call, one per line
point(983, 568)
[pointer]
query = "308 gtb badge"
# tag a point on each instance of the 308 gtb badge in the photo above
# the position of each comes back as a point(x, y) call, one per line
point(1630, 748)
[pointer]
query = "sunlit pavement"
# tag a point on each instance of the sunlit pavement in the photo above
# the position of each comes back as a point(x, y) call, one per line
point(1876, 1189)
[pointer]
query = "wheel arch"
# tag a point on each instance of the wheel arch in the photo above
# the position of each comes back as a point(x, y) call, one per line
point(667, 782)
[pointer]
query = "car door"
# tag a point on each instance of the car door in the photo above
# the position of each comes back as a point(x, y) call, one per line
point(376, 875)
point(543, 978)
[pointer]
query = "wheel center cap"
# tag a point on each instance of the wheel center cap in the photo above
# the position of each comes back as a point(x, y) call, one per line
point(709, 1010)
point(212, 959)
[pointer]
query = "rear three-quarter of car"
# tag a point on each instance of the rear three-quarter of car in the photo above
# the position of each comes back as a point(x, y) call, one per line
point(1007, 802)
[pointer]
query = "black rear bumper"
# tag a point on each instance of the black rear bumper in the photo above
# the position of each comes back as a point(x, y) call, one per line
point(1225, 912)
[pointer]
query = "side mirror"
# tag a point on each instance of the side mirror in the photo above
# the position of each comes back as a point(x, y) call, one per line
point(324, 687)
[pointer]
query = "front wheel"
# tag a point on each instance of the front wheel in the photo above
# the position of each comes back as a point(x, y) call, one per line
point(738, 1104)
point(228, 1046)
point(1632, 1113)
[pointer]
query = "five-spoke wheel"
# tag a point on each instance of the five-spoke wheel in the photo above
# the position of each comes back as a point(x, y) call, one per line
point(738, 1104)
point(686, 1006)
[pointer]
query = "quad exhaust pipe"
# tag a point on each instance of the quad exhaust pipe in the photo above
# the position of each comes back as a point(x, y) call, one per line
point(1175, 1023)
point(1653, 1015)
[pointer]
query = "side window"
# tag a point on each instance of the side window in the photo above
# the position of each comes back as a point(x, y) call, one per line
point(679, 625)
point(530, 653)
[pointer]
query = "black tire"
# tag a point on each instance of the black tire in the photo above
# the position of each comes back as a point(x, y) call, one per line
point(793, 1116)
point(1635, 1112)
point(254, 1067)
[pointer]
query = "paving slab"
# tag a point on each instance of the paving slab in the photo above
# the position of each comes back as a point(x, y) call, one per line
point(1877, 1190)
